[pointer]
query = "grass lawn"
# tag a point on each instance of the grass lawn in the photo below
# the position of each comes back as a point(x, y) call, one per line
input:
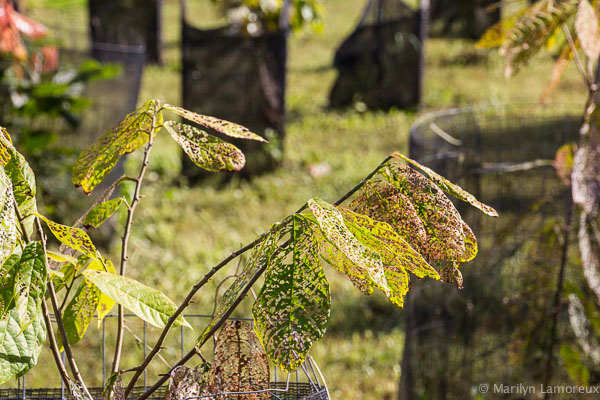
point(181, 231)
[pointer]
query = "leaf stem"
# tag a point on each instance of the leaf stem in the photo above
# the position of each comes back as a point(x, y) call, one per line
point(232, 308)
point(127, 233)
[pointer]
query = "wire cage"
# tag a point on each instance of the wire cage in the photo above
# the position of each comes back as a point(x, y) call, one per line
point(504, 327)
point(306, 383)
point(378, 63)
point(230, 74)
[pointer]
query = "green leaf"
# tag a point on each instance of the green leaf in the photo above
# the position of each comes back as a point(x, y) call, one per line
point(30, 275)
point(8, 218)
point(80, 311)
point(397, 255)
point(102, 212)
point(7, 283)
point(240, 363)
point(576, 369)
point(19, 349)
point(261, 256)
point(96, 161)
point(147, 303)
point(216, 124)
point(343, 251)
point(74, 238)
point(22, 178)
point(292, 309)
point(442, 222)
point(449, 187)
point(61, 258)
point(206, 151)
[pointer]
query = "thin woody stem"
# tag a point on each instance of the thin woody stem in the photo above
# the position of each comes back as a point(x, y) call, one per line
point(230, 310)
point(127, 233)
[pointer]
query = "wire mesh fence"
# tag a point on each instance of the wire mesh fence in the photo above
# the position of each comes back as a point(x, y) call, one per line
point(500, 328)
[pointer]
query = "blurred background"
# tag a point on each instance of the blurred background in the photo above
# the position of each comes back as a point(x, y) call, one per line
point(309, 84)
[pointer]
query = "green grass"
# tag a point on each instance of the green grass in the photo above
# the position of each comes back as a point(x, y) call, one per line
point(181, 231)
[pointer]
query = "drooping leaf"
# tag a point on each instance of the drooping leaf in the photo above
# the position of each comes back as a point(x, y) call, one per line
point(8, 218)
point(19, 349)
point(240, 363)
point(342, 249)
point(216, 124)
point(30, 283)
point(97, 160)
point(102, 212)
point(442, 222)
point(74, 238)
point(80, 311)
point(261, 256)
point(292, 309)
point(147, 303)
point(470, 244)
point(558, 71)
point(206, 151)
point(449, 187)
point(61, 258)
point(587, 27)
point(7, 284)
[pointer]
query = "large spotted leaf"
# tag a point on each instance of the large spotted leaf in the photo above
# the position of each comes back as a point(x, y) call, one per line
point(342, 250)
point(206, 151)
point(449, 187)
point(30, 274)
point(8, 272)
point(80, 311)
point(22, 178)
point(240, 363)
point(19, 349)
point(147, 303)
point(292, 309)
point(384, 202)
point(97, 160)
point(442, 222)
point(216, 124)
point(74, 238)
point(397, 255)
point(261, 256)
point(8, 218)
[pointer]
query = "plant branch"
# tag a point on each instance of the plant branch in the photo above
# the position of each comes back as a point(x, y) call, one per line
point(237, 301)
point(578, 62)
point(127, 233)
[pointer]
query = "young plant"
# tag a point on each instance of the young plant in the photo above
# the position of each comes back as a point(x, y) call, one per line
point(397, 225)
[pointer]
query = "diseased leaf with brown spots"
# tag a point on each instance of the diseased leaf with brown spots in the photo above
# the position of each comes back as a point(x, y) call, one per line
point(8, 218)
point(206, 151)
point(397, 255)
point(449, 187)
point(342, 250)
point(74, 238)
point(8, 272)
point(292, 309)
point(441, 220)
point(261, 255)
point(451, 274)
point(96, 161)
point(240, 363)
point(563, 162)
point(216, 124)
point(80, 311)
point(470, 244)
point(105, 303)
